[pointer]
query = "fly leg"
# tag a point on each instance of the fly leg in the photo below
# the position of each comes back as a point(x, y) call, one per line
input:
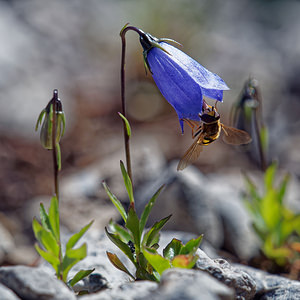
point(196, 128)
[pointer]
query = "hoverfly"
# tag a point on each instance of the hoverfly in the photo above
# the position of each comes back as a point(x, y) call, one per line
point(207, 132)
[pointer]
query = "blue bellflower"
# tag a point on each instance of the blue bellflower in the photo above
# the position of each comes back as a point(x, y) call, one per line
point(182, 80)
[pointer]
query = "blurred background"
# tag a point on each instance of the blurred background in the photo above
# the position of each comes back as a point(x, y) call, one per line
point(74, 46)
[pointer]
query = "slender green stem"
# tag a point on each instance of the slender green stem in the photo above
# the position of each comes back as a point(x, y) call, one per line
point(56, 168)
point(258, 125)
point(123, 100)
point(54, 153)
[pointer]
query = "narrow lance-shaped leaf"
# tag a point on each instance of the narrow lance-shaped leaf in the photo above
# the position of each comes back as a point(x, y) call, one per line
point(282, 188)
point(45, 218)
point(80, 275)
point(77, 236)
point(50, 126)
point(120, 231)
point(40, 119)
point(133, 225)
point(115, 201)
point(128, 129)
point(50, 258)
point(45, 238)
point(118, 264)
point(71, 258)
point(127, 182)
point(148, 208)
point(124, 247)
point(142, 274)
point(54, 218)
point(150, 235)
point(191, 246)
point(269, 175)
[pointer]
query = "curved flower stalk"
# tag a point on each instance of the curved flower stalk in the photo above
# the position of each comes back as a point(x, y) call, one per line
point(181, 79)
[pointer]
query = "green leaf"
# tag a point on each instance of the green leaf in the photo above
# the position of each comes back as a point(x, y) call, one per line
point(191, 246)
point(120, 231)
point(264, 138)
point(172, 249)
point(71, 258)
point(133, 224)
point(128, 129)
point(45, 238)
point(39, 120)
point(269, 176)
point(118, 264)
point(61, 120)
point(149, 237)
point(50, 258)
point(148, 208)
point(279, 254)
point(54, 218)
point(50, 126)
point(77, 236)
point(116, 202)
point(143, 274)
point(282, 188)
point(124, 247)
point(80, 275)
point(127, 182)
point(143, 262)
point(121, 32)
point(270, 209)
point(45, 218)
point(184, 261)
point(252, 190)
point(158, 262)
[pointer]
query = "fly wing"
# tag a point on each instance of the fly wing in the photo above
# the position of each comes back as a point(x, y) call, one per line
point(190, 155)
point(235, 136)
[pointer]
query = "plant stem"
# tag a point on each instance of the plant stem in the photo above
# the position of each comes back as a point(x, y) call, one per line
point(55, 167)
point(54, 153)
point(258, 126)
point(123, 100)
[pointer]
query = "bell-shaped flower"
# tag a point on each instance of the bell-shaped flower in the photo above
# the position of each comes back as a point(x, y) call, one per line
point(46, 116)
point(182, 80)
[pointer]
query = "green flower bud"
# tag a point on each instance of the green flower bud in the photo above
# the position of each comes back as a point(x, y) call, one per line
point(47, 126)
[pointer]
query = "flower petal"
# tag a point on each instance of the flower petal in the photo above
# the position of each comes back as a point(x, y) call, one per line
point(214, 94)
point(175, 83)
point(204, 77)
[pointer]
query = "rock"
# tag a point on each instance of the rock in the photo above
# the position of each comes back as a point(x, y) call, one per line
point(240, 281)
point(7, 243)
point(126, 291)
point(34, 283)
point(272, 286)
point(243, 284)
point(22, 255)
point(177, 284)
point(210, 205)
point(7, 294)
point(98, 244)
point(92, 284)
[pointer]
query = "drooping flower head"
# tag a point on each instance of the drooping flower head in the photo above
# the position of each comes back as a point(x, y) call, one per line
point(47, 126)
point(182, 80)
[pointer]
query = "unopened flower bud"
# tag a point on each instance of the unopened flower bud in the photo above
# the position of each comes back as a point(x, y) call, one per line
point(47, 126)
